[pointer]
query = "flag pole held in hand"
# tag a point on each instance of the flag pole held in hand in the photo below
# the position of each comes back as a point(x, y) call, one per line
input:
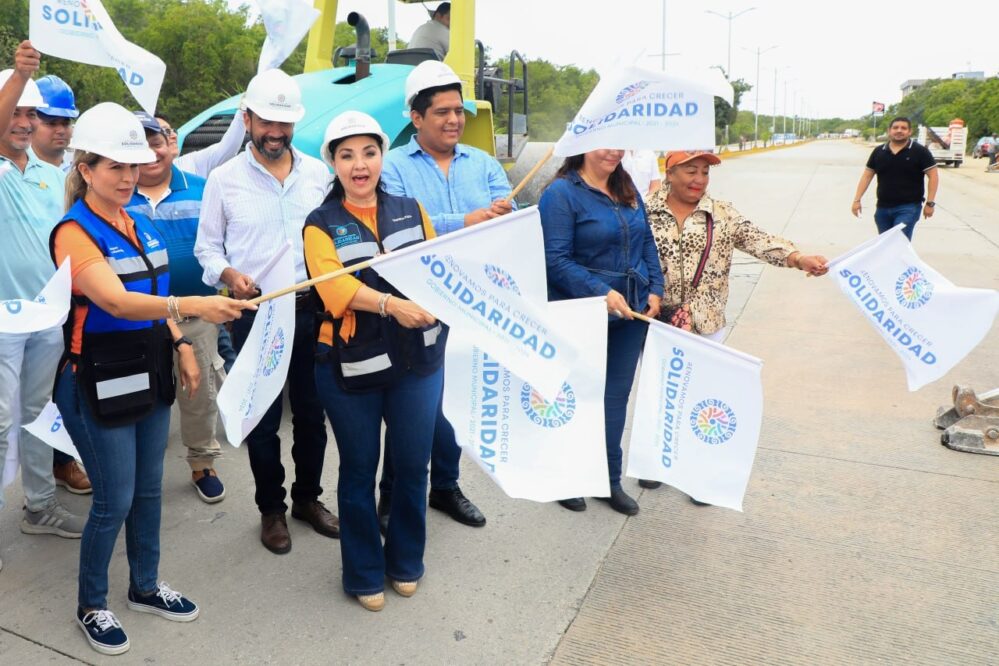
point(530, 174)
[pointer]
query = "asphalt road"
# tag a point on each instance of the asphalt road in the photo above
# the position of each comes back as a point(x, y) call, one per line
point(863, 540)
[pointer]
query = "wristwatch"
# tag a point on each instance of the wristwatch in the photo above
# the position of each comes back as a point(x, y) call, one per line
point(931, 204)
point(182, 340)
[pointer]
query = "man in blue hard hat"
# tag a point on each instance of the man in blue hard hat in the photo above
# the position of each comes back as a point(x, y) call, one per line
point(55, 127)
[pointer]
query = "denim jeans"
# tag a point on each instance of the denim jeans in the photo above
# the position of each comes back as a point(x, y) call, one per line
point(308, 424)
point(891, 216)
point(624, 345)
point(28, 363)
point(445, 457)
point(125, 465)
point(225, 348)
point(409, 408)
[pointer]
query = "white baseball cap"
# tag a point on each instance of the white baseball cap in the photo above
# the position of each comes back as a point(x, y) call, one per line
point(31, 96)
point(112, 131)
point(351, 123)
point(428, 74)
point(274, 96)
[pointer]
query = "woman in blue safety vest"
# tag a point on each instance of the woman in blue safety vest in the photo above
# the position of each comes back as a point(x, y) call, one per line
point(598, 243)
point(115, 383)
point(380, 357)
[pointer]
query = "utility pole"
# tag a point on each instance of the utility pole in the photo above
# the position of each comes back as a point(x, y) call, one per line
point(784, 130)
point(773, 118)
point(729, 17)
point(756, 112)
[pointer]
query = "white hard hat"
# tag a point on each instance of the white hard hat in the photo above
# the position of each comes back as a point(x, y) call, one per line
point(274, 96)
point(31, 96)
point(112, 131)
point(428, 74)
point(351, 123)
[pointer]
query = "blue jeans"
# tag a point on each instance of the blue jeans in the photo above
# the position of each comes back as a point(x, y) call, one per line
point(445, 457)
point(409, 408)
point(225, 349)
point(308, 426)
point(125, 465)
point(624, 346)
point(891, 216)
point(28, 363)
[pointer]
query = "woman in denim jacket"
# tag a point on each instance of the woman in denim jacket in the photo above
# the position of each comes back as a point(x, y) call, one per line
point(598, 243)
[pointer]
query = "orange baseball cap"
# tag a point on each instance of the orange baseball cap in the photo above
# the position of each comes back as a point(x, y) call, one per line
point(676, 157)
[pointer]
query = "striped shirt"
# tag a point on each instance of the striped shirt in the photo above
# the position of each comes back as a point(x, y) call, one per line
point(247, 214)
point(175, 216)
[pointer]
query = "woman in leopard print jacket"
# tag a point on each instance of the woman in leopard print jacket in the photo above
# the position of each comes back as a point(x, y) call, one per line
point(696, 235)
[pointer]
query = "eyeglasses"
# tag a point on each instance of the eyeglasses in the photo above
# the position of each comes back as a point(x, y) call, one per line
point(169, 132)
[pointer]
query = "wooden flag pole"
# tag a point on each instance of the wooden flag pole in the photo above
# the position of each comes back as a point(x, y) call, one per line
point(530, 174)
point(308, 283)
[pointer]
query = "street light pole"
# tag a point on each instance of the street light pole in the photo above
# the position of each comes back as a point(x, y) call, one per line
point(756, 112)
point(728, 17)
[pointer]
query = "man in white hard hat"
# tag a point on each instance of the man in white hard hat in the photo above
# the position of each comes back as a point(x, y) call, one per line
point(458, 186)
point(253, 205)
point(31, 203)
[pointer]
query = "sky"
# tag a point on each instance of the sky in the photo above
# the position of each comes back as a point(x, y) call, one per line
point(831, 59)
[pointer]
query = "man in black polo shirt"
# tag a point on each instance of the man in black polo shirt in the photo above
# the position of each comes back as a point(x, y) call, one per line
point(900, 166)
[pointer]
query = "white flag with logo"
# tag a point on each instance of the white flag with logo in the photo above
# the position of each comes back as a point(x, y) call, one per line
point(261, 368)
point(697, 418)
point(286, 22)
point(640, 109)
point(928, 321)
point(82, 31)
point(50, 308)
point(532, 447)
point(488, 281)
point(49, 428)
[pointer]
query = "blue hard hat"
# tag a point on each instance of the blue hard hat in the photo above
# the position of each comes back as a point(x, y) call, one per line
point(58, 96)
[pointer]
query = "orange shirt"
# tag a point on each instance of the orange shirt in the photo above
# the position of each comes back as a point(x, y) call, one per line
point(321, 258)
point(73, 242)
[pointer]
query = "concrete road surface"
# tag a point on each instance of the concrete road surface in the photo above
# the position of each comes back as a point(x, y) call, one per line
point(863, 539)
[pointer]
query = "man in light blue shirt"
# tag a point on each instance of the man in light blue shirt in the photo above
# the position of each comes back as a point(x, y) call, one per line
point(31, 202)
point(458, 186)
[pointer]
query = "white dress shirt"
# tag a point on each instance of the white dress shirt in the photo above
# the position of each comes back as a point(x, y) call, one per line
point(643, 167)
point(247, 215)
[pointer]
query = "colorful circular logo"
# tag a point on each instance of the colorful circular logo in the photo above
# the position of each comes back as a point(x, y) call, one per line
point(912, 289)
point(546, 414)
point(713, 421)
point(501, 278)
point(272, 357)
point(341, 231)
point(630, 91)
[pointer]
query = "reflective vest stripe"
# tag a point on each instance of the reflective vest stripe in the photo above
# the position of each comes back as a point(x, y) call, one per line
point(430, 337)
point(367, 366)
point(357, 252)
point(400, 238)
point(112, 388)
point(128, 265)
point(158, 258)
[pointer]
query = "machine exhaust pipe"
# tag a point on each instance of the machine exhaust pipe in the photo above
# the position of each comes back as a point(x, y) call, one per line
point(362, 66)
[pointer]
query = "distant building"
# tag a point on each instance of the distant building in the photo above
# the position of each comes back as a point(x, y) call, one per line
point(977, 76)
point(910, 86)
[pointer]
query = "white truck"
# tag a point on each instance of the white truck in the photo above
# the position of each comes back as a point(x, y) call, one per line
point(946, 144)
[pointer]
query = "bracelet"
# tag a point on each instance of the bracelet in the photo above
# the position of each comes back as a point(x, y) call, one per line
point(382, 301)
point(173, 309)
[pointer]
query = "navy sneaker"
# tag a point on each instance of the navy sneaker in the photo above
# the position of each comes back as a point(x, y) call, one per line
point(103, 631)
point(164, 602)
point(209, 487)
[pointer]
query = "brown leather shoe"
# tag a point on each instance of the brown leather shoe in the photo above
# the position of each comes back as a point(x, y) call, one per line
point(72, 477)
point(316, 514)
point(274, 533)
